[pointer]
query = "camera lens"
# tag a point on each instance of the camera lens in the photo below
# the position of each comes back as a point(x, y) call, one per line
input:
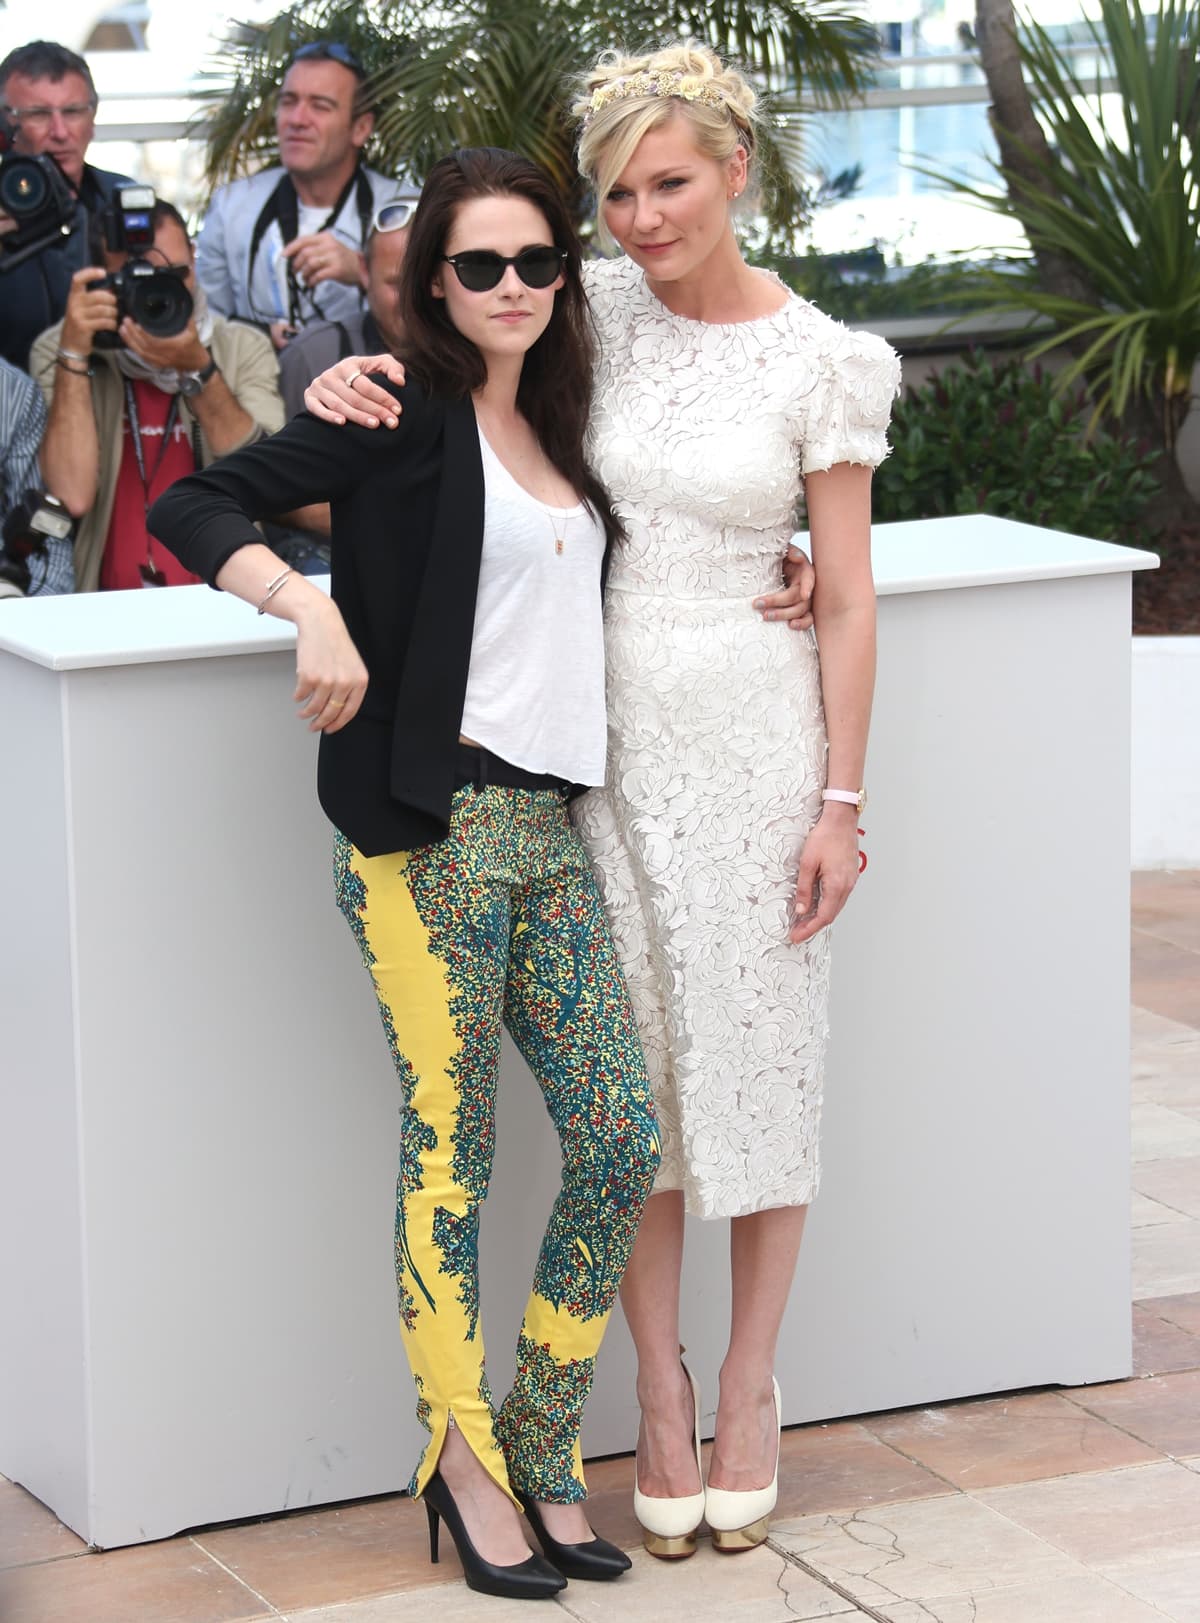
point(22, 187)
point(160, 303)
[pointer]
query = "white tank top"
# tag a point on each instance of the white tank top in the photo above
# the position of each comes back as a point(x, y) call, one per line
point(535, 689)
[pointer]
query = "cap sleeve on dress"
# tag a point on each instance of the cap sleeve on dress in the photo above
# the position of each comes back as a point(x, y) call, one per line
point(846, 414)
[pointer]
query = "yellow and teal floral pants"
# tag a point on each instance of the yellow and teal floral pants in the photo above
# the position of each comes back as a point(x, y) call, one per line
point(501, 923)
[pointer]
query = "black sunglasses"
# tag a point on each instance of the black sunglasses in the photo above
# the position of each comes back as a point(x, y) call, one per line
point(480, 269)
point(330, 50)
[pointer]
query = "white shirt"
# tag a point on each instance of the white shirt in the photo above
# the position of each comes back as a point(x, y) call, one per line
point(309, 219)
point(535, 689)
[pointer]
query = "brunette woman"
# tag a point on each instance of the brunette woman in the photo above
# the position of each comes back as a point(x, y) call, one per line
point(456, 677)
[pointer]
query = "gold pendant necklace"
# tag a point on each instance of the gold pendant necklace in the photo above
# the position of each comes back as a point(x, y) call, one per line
point(559, 540)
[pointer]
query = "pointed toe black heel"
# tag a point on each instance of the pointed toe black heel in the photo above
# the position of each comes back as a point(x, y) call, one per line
point(534, 1579)
point(596, 1559)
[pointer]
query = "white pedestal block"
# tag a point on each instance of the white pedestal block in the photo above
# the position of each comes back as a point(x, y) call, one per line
point(198, 1118)
point(1166, 763)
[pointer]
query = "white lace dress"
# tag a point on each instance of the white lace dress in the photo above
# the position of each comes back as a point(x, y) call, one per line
point(716, 737)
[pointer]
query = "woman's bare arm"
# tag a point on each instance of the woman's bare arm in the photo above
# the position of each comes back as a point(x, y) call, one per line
point(839, 511)
point(331, 679)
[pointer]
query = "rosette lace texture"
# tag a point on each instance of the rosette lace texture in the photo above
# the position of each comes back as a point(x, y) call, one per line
point(716, 742)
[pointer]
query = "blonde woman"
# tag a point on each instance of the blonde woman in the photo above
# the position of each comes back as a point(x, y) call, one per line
point(725, 837)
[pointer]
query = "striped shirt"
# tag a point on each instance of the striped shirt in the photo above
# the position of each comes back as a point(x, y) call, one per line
point(22, 421)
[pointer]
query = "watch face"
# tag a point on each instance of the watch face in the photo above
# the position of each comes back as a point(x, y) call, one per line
point(190, 385)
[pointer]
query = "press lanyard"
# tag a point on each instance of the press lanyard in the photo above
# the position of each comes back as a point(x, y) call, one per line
point(150, 575)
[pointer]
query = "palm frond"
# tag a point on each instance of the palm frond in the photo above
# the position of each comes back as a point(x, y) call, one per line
point(496, 73)
point(1123, 203)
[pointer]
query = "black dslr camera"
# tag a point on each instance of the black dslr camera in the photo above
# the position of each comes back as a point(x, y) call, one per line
point(35, 519)
point(155, 296)
point(36, 194)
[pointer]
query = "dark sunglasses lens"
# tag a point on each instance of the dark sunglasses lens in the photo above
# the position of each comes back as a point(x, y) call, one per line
point(537, 267)
point(478, 272)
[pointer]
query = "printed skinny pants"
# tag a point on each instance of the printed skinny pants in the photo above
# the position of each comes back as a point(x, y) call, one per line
point(502, 922)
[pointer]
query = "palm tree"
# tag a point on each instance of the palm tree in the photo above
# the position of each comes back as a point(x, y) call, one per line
point(496, 73)
point(1112, 213)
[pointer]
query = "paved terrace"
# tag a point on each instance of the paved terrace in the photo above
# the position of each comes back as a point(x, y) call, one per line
point(1039, 1507)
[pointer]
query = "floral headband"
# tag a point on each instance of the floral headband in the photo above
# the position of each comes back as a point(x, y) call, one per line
point(665, 82)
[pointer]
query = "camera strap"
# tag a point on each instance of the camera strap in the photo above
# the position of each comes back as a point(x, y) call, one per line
point(151, 575)
point(282, 208)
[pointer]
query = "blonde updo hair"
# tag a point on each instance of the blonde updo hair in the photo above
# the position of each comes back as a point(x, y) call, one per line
point(717, 101)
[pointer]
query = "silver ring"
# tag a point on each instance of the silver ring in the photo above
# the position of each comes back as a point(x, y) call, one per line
point(353, 375)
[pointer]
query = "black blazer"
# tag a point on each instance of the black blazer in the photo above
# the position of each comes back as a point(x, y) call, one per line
point(407, 534)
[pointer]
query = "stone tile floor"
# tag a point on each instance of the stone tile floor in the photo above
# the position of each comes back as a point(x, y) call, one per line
point(1041, 1507)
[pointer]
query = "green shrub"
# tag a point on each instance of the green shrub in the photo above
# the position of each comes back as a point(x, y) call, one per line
point(998, 437)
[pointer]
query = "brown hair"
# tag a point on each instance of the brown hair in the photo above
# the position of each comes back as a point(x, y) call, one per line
point(555, 390)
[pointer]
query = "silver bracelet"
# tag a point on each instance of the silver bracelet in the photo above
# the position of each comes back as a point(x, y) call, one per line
point(73, 355)
point(272, 589)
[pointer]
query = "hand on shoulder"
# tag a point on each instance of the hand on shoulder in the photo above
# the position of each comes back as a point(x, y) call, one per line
point(348, 393)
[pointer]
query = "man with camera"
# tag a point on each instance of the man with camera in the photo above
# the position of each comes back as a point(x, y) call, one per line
point(48, 190)
point(144, 384)
point(282, 248)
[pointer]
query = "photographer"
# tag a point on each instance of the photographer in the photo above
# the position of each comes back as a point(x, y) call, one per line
point(48, 95)
point(282, 247)
point(127, 421)
point(43, 567)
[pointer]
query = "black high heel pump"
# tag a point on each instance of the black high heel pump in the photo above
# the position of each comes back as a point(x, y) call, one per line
point(534, 1579)
point(595, 1559)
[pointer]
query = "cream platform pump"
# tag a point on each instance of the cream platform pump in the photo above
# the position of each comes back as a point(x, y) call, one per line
point(669, 1525)
point(739, 1520)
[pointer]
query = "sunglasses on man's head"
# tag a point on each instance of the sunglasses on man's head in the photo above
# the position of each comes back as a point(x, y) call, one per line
point(330, 50)
point(393, 216)
point(480, 269)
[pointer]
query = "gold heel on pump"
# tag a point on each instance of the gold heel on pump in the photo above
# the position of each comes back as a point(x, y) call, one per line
point(741, 1520)
point(670, 1549)
point(741, 1538)
point(669, 1525)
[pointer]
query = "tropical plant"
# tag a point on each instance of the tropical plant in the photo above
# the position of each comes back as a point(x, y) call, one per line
point(1111, 208)
point(496, 72)
point(1000, 437)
